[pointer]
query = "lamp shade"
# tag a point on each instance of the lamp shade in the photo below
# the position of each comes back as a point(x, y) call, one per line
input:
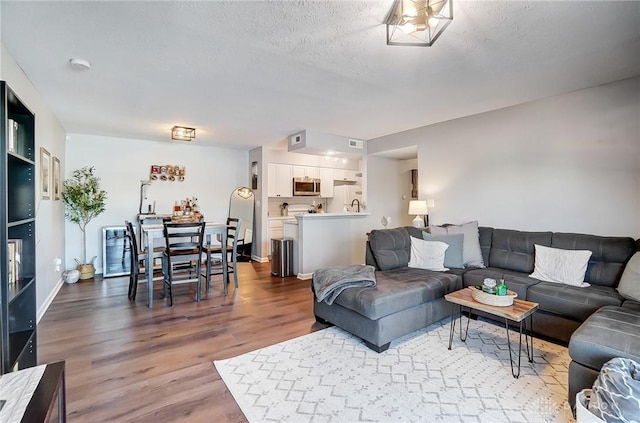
point(418, 207)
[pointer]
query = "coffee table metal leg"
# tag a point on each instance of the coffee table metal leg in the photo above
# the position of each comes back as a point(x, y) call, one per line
point(452, 327)
point(506, 324)
point(466, 331)
point(528, 336)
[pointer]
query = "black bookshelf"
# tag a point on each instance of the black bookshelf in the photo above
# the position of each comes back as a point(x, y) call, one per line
point(17, 233)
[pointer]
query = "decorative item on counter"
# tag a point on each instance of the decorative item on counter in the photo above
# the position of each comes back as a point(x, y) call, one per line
point(284, 209)
point(313, 208)
point(319, 209)
point(187, 210)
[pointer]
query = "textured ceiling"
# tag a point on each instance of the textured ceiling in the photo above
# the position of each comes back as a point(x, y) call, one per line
point(249, 73)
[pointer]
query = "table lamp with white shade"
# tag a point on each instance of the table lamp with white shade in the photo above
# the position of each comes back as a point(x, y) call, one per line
point(418, 207)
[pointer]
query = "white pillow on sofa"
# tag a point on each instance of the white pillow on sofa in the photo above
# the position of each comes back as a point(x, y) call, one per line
point(427, 255)
point(629, 286)
point(561, 266)
point(471, 252)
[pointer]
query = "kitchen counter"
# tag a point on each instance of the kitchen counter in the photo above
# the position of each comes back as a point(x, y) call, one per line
point(325, 240)
point(340, 215)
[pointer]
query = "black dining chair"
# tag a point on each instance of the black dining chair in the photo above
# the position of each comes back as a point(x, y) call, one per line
point(182, 255)
point(140, 263)
point(233, 227)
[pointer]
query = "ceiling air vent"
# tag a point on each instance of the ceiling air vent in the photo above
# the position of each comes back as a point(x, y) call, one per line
point(295, 139)
point(359, 144)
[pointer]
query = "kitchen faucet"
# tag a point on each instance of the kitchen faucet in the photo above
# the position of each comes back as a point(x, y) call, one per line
point(356, 200)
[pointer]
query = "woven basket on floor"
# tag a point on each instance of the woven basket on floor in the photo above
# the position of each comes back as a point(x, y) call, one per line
point(494, 300)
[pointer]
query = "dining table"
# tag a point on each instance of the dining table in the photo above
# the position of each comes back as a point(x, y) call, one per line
point(156, 231)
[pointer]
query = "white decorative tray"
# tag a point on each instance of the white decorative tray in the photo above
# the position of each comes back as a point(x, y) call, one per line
point(492, 299)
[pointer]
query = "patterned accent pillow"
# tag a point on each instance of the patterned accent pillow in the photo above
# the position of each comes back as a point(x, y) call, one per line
point(616, 391)
point(427, 255)
point(561, 266)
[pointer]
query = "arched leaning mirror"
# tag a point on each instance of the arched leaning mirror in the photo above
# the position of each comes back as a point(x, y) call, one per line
point(242, 204)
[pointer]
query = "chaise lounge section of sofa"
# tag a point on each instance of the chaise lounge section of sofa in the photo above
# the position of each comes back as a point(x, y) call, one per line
point(402, 301)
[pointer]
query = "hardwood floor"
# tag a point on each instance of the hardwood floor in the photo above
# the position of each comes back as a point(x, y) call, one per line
point(128, 363)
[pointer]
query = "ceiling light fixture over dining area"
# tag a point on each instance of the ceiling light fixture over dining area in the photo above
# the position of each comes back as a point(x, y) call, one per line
point(418, 22)
point(183, 133)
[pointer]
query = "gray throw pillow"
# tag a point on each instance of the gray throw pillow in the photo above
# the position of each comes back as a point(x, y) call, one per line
point(453, 255)
point(471, 252)
point(629, 286)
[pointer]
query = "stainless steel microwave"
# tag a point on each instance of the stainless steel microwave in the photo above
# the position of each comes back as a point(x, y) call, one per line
point(306, 186)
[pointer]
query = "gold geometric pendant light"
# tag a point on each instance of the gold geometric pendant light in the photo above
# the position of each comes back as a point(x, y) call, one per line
point(418, 22)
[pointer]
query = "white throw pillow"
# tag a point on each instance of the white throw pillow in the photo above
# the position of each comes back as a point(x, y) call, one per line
point(427, 255)
point(629, 286)
point(471, 252)
point(562, 266)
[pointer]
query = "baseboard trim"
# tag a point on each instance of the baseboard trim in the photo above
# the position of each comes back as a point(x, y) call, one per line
point(48, 301)
point(260, 259)
point(305, 276)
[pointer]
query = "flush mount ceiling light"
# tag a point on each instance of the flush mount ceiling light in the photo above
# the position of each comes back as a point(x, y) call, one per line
point(79, 64)
point(182, 133)
point(418, 22)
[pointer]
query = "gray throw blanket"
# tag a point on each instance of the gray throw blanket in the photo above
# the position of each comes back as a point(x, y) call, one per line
point(329, 282)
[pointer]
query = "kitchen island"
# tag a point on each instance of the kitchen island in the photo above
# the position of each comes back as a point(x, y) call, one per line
point(325, 240)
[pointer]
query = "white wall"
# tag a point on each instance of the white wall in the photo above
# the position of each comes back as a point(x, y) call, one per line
point(568, 163)
point(49, 134)
point(211, 175)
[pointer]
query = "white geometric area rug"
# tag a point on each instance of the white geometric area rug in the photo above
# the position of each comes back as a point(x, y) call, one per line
point(331, 376)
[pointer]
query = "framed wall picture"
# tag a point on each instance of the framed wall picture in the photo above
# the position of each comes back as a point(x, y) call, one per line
point(56, 178)
point(45, 170)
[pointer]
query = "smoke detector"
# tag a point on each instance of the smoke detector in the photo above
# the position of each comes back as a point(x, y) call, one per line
point(80, 64)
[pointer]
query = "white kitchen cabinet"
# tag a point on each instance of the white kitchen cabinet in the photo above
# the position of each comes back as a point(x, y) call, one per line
point(306, 172)
point(326, 182)
point(344, 175)
point(279, 180)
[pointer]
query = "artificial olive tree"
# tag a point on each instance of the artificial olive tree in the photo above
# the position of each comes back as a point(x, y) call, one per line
point(84, 200)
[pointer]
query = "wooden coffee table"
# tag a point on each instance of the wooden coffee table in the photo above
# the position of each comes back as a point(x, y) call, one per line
point(518, 312)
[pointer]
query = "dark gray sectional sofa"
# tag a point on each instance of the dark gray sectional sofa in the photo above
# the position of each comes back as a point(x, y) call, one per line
point(562, 307)
point(406, 299)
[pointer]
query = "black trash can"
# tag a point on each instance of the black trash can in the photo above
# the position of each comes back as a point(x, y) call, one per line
point(282, 257)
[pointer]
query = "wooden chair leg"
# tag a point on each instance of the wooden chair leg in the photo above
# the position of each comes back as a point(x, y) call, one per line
point(134, 289)
point(198, 283)
point(235, 269)
point(208, 281)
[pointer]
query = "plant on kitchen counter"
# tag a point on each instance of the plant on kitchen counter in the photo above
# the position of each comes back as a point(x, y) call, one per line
point(84, 201)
